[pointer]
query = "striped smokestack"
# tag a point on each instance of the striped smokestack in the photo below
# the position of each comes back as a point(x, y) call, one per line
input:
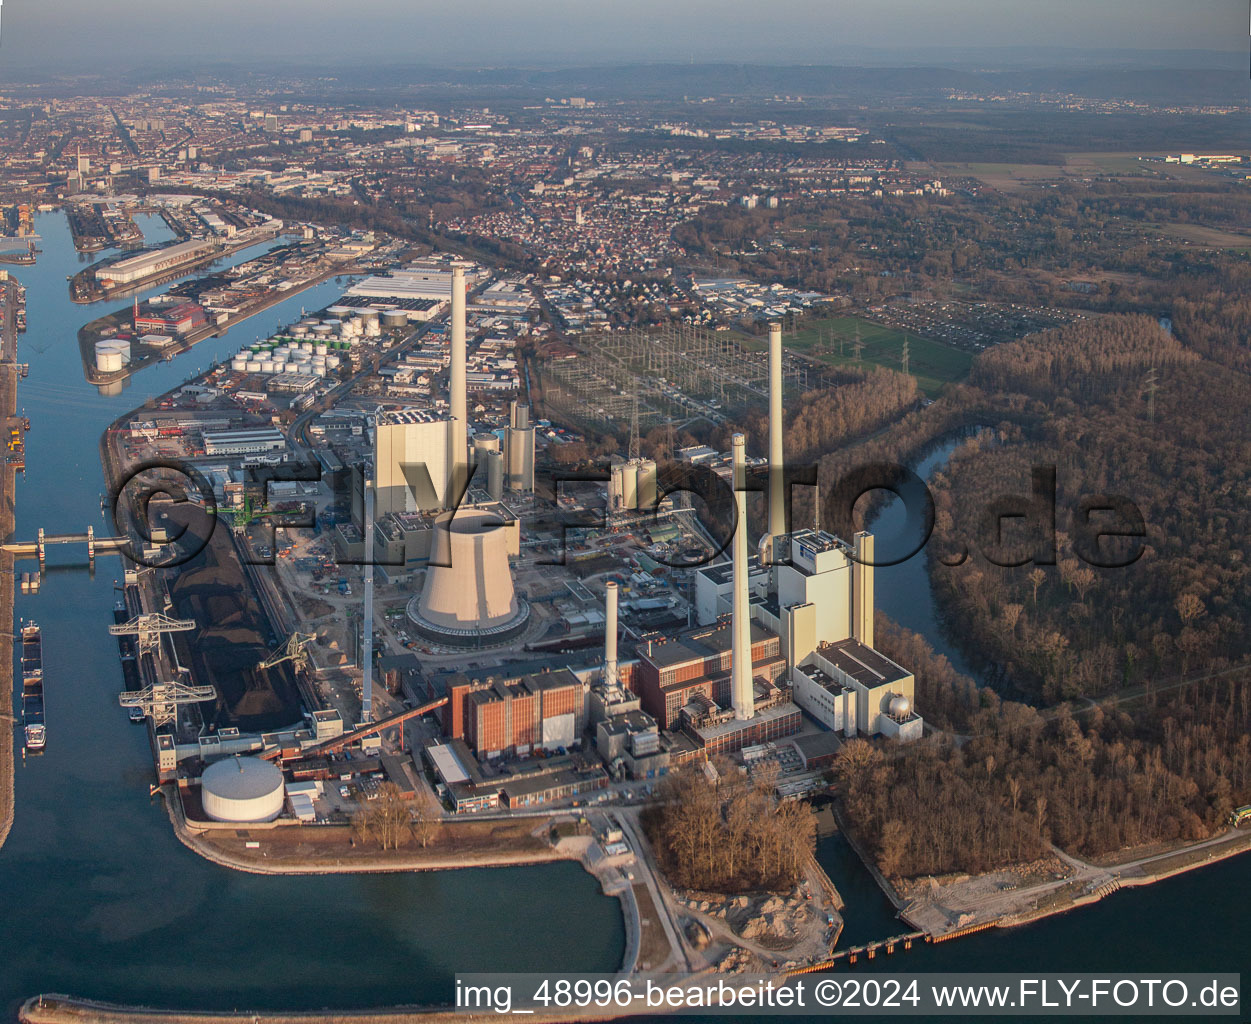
point(777, 477)
point(458, 434)
point(610, 634)
point(741, 692)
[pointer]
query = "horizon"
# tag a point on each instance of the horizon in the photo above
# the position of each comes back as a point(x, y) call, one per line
point(79, 37)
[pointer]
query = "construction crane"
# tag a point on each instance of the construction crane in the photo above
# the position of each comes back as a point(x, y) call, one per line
point(161, 701)
point(149, 627)
point(292, 649)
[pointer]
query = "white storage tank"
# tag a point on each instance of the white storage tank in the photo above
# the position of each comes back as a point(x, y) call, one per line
point(320, 349)
point(239, 363)
point(332, 362)
point(242, 789)
point(267, 366)
point(647, 484)
point(253, 366)
point(630, 485)
point(112, 355)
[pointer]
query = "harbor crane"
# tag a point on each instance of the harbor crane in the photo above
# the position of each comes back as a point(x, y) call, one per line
point(293, 650)
point(149, 627)
point(161, 701)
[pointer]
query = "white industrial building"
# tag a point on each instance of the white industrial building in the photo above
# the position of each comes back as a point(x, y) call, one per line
point(244, 442)
point(138, 267)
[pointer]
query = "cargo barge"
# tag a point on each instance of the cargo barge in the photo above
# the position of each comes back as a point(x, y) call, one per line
point(32, 688)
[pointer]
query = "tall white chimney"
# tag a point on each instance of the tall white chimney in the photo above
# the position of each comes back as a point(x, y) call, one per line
point(458, 435)
point(777, 478)
point(742, 695)
point(610, 634)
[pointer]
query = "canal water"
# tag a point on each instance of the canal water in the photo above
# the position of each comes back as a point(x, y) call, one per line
point(98, 897)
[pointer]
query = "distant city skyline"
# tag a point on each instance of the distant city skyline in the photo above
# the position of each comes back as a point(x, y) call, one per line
point(85, 35)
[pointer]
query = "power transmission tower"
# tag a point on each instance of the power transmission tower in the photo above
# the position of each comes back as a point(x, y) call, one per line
point(1152, 387)
point(904, 359)
point(635, 447)
point(857, 346)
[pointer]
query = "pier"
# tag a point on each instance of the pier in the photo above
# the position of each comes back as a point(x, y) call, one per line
point(38, 548)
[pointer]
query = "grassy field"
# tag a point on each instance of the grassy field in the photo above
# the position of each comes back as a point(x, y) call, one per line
point(1200, 235)
point(932, 363)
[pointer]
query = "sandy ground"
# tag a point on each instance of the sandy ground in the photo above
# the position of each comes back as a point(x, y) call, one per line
point(1051, 886)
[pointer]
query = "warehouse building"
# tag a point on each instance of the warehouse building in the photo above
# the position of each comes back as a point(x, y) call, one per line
point(244, 442)
point(145, 265)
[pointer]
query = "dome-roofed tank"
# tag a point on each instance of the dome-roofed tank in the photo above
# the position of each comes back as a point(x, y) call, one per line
point(242, 789)
point(900, 707)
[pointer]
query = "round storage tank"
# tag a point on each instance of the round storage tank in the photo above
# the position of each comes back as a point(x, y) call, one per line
point(253, 366)
point(332, 362)
point(323, 330)
point(267, 366)
point(109, 361)
point(369, 316)
point(394, 318)
point(319, 350)
point(239, 363)
point(242, 789)
point(647, 484)
point(630, 485)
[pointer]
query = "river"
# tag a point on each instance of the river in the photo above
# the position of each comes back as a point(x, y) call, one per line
point(99, 898)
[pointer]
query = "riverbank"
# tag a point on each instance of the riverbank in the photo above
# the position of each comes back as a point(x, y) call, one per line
point(90, 333)
point(1022, 894)
point(84, 291)
point(8, 485)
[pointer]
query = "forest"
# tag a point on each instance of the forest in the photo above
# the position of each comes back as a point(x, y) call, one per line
point(1168, 766)
point(729, 835)
point(1123, 408)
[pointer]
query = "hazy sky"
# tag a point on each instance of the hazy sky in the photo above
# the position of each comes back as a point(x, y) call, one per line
point(87, 33)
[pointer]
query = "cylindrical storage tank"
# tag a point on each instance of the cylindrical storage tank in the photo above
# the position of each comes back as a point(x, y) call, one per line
point(267, 366)
point(299, 331)
point(485, 442)
point(253, 366)
point(239, 363)
point(368, 316)
point(647, 484)
point(323, 331)
point(332, 362)
point(242, 789)
point(307, 346)
point(339, 311)
point(630, 485)
point(394, 318)
point(109, 360)
point(495, 474)
point(320, 349)
point(282, 351)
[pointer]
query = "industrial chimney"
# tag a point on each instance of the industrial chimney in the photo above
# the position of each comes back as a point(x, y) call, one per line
point(777, 476)
point(741, 692)
point(862, 598)
point(610, 634)
point(458, 434)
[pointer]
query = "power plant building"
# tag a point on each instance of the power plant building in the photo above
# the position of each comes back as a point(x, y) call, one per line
point(411, 469)
point(497, 718)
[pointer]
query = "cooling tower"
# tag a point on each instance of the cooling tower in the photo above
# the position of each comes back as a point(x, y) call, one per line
point(468, 597)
